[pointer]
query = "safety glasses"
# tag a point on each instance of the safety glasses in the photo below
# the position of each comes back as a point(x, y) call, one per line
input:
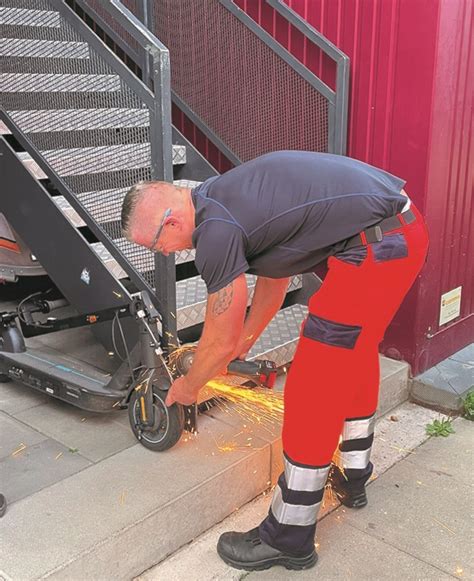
point(160, 228)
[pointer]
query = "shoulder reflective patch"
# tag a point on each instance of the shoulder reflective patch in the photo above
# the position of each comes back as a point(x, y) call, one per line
point(330, 332)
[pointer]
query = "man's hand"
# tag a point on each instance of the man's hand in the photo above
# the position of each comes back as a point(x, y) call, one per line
point(181, 392)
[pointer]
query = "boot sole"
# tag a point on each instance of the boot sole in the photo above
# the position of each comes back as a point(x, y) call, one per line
point(292, 563)
point(357, 502)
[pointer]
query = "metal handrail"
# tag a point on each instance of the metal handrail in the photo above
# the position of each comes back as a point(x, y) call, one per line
point(159, 104)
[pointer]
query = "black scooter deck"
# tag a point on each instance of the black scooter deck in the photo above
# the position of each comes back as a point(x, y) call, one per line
point(62, 377)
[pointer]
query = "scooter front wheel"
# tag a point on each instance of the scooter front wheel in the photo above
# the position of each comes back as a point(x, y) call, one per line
point(168, 425)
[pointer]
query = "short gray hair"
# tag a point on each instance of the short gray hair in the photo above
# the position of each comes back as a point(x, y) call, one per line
point(129, 204)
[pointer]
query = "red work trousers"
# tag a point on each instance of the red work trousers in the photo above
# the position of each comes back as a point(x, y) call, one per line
point(328, 383)
point(333, 383)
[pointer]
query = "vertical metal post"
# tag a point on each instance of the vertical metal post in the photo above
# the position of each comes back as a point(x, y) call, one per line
point(332, 128)
point(162, 169)
point(342, 100)
point(146, 16)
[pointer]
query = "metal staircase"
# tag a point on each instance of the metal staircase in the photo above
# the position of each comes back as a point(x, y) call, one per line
point(90, 129)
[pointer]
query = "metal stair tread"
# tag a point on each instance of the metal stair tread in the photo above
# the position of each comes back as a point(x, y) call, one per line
point(52, 65)
point(26, 4)
point(29, 100)
point(52, 120)
point(22, 47)
point(29, 17)
point(79, 161)
point(59, 82)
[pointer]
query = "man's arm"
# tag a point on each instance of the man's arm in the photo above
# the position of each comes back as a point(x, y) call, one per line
point(223, 326)
point(267, 300)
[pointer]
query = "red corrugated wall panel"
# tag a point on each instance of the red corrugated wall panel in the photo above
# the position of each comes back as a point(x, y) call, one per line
point(449, 187)
point(410, 112)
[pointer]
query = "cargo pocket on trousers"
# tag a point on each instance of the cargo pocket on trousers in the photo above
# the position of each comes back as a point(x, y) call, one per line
point(330, 332)
point(392, 246)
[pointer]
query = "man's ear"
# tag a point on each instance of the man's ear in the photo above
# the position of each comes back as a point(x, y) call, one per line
point(175, 222)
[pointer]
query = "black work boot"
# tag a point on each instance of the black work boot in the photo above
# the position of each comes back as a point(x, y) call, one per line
point(247, 551)
point(351, 492)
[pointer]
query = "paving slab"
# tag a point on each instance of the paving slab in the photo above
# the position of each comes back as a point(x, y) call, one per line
point(466, 355)
point(152, 502)
point(422, 513)
point(446, 384)
point(348, 554)
point(96, 436)
point(14, 433)
point(399, 433)
point(444, 456)
point(34, 469)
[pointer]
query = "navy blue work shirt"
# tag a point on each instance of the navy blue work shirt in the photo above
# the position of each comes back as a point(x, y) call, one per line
point(285, 212)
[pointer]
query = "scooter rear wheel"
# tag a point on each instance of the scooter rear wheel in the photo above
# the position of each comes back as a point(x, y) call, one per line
point(169, 422)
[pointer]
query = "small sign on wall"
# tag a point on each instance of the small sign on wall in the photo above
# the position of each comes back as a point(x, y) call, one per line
point(450, 306)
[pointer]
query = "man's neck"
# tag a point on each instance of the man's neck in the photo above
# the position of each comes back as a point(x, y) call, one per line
point(190, 211)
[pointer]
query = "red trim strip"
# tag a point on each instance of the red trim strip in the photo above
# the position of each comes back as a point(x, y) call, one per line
point(9, 245)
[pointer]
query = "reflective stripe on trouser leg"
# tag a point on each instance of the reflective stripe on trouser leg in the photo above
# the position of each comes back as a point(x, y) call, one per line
point(356, 446)
point(291, 522)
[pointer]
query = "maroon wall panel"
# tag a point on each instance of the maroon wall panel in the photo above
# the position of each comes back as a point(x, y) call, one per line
point(449, 187)
point(410, 112)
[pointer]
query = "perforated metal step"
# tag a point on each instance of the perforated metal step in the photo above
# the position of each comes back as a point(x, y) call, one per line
point(79, 161)
point(51, 120)
point(26, 17)
point(20, 47)
point(57, 83)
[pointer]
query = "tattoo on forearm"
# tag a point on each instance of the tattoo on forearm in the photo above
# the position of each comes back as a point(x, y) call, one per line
point(223, 299)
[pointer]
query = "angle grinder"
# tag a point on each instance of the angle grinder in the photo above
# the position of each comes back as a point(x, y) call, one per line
point(261, 371)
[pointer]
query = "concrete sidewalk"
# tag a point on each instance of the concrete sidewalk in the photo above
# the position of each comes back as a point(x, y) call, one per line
point(418, 525)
